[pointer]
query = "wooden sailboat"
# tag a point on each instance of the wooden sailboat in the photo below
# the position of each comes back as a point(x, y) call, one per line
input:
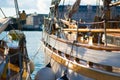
point(83, 53)
point(14, 61)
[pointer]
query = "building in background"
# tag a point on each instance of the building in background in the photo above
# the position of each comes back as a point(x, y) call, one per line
point(34, 21)
point(87, 12)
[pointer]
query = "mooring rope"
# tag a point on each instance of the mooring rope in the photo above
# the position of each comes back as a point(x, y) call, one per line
point(36, 53)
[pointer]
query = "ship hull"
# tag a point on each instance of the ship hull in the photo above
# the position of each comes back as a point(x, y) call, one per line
point(84, 51)
point(85, 62)
point(59, 68)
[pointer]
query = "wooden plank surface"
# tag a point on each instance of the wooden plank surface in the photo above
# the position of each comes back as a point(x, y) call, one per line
point(4, 24)
point(94, 30)
point(86, 71)
point(110, 58)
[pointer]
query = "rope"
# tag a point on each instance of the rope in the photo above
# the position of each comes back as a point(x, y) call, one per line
point(70, 56)
point(3, 12)
point(98, 7)
point(62, 8)
point(52, 50)
point(36, 53)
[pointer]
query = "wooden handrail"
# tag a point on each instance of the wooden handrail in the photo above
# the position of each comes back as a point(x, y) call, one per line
point(95, 47)
point(115, 3)
point(94, 30)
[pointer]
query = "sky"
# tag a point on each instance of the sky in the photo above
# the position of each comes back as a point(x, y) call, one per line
point(32, 6)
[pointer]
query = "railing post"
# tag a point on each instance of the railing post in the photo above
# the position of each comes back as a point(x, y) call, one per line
point(105, 25)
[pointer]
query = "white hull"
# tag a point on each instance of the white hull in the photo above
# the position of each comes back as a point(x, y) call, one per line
point(56, 49)
point(88, 50)
point(59, 70)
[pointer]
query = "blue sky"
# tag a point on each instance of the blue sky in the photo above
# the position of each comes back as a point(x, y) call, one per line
point(31, 6)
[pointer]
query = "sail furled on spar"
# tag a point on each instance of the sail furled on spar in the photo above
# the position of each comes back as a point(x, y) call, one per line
point(55, 2)
point(54, 8)
point(73, 9)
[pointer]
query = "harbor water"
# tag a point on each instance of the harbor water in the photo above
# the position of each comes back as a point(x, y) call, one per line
point(34, 48)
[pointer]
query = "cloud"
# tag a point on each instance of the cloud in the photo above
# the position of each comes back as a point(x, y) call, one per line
point(83, 2)
point(39, 6)
point(27, 4)
point(21, 3)
point(8, 12)
point(91, 2)
point(6, 3)
point(43, 6)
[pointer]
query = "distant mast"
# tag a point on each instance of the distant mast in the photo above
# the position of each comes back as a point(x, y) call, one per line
point(16, 8)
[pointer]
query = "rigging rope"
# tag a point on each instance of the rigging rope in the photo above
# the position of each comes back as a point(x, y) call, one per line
point(63, 8)
point(66, 70)
point(3, 12)
point(36, 53)
point(98, 7)
point(53, 49)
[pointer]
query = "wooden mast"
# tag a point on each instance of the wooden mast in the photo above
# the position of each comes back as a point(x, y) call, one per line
point(17, 14)
point(74, 8)
point(106, 9)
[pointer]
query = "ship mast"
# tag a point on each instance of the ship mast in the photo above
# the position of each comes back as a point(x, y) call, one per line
point(54, 8)
point(17, 14)
point(107, 4)
point(106, 10)
point(16, 8)
point(73, 9)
